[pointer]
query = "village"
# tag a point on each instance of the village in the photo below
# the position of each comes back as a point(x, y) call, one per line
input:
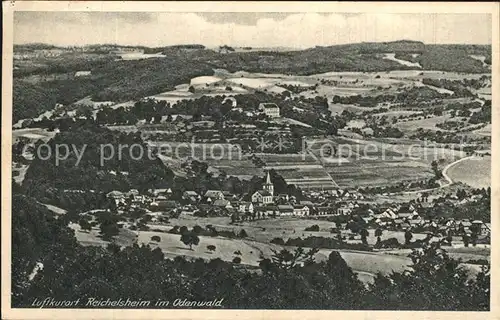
point(344, 206)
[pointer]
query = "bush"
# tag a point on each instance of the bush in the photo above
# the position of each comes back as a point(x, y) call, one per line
point(314, 227)
point(197, 229)
point(237, 260)
point(279, 241)
point(156, 238)
point(243, 234)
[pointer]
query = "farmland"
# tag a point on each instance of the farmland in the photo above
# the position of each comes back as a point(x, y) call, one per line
point(375, 162)
point(474, 172)
point(426, 124)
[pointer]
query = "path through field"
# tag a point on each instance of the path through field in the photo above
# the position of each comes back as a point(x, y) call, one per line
point(449, 181)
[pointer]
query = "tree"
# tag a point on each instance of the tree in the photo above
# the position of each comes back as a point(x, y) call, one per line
point(190, 239)
point(378, 234)
point(156, 238)
point(242, 234)
point(428, 284)
point(197, 229)
point(286, 260)
point(237, 260)
point(211, 248)
point(408, 236)
point(314, 227)
point(465, 239)
point(364, 233)
point(85, 225)
point(191, 89)
point(279, 241)
point(437, 173)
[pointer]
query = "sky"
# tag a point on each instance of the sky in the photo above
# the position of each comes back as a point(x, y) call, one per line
point(292, 30)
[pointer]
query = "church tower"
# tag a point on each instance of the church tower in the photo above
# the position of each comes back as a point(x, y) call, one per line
point(268, 186)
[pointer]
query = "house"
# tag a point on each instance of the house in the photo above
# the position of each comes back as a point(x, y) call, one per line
point(191, 196)
point(221, 203)
point(265, 195)
point(405, 226)
point(188, 212)
point(465, 223)
point(246, 207)
point(323, 210)
point(405, 216)
point(397, 223)
point(306, 203)
point(132, 192)
point(160, 192)
point(214, 195)
point(285, 210)
point(82, 74)
point(344, 210)
point(450, 223)
point(346, 194)
point(270, 109)
point(380, 222)
point(481, 227)
point(367, 219)
point(300, 210)
point(139, 199)
point(283, 196)
point(115, 195)
point(416, 222)
point(160, 198)
point(268, 211)
point(164, 205)
point(204, 207)
point(228, 195)
point(262, 197)
point(389, 213)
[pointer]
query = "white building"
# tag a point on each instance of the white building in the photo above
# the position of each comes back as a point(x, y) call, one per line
point(266, 195)
point(270, 109)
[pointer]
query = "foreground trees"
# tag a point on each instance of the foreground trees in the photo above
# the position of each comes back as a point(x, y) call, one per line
point(290, 279)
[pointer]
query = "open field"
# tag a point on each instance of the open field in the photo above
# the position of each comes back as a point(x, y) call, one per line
point(485, 131)
point(125, 237)
point(242, 168)
point(374, 162)
point(396, 113)
point(475, 172)
point(33, 134)
point(302, 170)
point(391, 56)
point(140, 55)
point(426, 124)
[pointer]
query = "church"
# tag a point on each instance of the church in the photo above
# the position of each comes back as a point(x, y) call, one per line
point(264, 196)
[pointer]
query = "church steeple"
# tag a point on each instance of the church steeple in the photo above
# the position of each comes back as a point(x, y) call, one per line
point(268, 186)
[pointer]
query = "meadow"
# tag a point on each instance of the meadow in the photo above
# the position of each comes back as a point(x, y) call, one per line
point(475, 172)
point(256, 245)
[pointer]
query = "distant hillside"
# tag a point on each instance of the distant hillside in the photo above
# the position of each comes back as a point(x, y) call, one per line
point(18, 48)
point(382, 47)
point(117, 80)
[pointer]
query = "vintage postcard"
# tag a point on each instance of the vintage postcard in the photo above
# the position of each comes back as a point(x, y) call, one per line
point(185, 160)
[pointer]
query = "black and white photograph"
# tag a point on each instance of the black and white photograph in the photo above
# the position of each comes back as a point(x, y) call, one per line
point(252, 159)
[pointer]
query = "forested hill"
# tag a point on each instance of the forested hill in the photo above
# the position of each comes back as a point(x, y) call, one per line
point(116, 80)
